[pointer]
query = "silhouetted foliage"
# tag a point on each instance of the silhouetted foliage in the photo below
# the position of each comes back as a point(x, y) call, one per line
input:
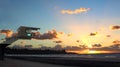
point(33, 51)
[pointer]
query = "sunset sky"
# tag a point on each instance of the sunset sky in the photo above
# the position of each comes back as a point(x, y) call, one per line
point(80, 21)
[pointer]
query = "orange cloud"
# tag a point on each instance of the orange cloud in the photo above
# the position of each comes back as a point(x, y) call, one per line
point(78, 41)
point(93, 34)
point(116, 27)
point(96, 45)
point(8, 33)
point(36, 35)
point(59, 41)
point(53, 34)
point(108, 35)
point(76, 11)
point(116, 41)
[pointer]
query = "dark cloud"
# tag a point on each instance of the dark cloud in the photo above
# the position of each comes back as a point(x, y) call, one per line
point(78, 41)
point(109, 49)
point(83, 46)
point(44, 47)
point(108, 35)
point(116, 27)
point(59, 41)
point(36, 35)
point(49, 35)
point(72, 48)
point(96, 45)
point(93, 34)
point(80, 47)
point(11, 36)
point(116, 41)
point(58, 47)
point(115, 46)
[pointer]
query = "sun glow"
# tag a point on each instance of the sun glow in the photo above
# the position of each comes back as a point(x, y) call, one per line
point(100, 52)
point(86, 51)
point(93, 52)
point(89, 51)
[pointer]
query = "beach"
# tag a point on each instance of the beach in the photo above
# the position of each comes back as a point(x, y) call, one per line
point(73, 60)
point(22, 63)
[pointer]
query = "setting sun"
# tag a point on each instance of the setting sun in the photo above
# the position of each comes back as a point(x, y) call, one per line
point(93, 52)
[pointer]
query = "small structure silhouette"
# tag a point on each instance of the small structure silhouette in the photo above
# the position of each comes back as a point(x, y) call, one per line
point(24, 32)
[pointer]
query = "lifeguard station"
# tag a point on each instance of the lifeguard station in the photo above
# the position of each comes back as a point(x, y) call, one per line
point(23, 32)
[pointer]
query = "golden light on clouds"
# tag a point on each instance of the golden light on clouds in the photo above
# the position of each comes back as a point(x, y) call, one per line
point(93, 52)
point(76, 11)
point(89, 51)
point(8, 33)
point(93, 33)
point(99, 52)
point(83, 51)
point(115, 27)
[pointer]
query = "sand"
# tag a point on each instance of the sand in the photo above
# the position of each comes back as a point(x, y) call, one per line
point(76, 62)
point(21, 63)
point(59, 62)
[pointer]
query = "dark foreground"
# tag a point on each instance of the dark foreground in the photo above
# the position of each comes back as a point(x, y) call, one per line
point(22, 63)
point(75, 61)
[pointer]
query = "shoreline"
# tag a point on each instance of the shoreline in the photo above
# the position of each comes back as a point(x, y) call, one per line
point(82, 62)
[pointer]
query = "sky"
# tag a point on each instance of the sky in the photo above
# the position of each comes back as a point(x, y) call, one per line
point(81, 21)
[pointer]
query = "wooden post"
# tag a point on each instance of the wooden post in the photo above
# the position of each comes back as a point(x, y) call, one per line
point(2, 51)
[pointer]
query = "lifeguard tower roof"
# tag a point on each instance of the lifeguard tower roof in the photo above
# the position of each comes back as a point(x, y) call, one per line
point(25, 32)
point(25, 27)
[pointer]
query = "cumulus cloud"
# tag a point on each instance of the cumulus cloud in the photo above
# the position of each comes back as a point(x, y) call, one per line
point(96, 45)
point(93, 34)
point(110, 49)
point(83, 46)
point(75, 48)
point(78, 41)
point(116, 41)
point(116, 27)
point(49, 35)
point(72, 48)
point(59, 41)
point(58, 47)
point(8, 33)
point(108, 35)
point(115, 46)
point(76, 11)
point(36, 35)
